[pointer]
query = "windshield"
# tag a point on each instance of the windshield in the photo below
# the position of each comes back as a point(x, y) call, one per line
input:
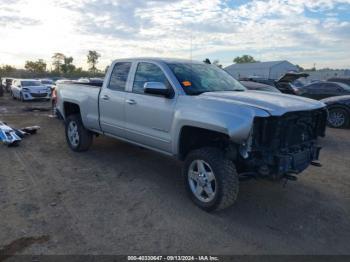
point(30, 83)
point(344, 86)
point(199, 78)
point(46, 82)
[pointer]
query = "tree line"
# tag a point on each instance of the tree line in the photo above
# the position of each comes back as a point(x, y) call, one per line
point(62, 66)
point(250, 59)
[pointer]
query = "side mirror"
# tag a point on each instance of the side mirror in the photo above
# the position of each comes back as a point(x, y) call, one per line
point(156, 88)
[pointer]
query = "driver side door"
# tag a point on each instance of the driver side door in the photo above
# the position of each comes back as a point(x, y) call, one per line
point(149, 117)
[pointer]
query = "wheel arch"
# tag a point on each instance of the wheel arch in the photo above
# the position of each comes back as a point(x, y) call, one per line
point(340, 106)
point(193, 137)
point(70, 108)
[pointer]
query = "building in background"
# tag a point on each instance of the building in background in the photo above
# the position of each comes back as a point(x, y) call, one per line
point(268, 70)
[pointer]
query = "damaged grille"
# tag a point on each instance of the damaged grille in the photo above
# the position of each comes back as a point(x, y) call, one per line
point(292, 130)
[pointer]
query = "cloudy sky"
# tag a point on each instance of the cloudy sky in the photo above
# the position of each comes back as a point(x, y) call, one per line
point(303, 32)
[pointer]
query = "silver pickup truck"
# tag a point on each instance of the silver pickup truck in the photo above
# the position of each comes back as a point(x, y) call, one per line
point(197, 113)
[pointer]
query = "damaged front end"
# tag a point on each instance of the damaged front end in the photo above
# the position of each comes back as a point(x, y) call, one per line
point(283, 145)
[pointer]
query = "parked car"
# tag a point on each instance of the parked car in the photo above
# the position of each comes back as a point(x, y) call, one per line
point(320, 90)
point(6, 83)
point(345, 80)
point(1, 88)
point(338, 111)
point(48, 83)
point(54, 95)
point(258, 79)
point(285, 84)
point(92, 80)
point(200, 114)
point(29, 89)
point(251, 85)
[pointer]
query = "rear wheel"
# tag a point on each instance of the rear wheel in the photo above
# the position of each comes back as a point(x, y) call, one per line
point(78, 137)
point(338, 118)
point(211, 179)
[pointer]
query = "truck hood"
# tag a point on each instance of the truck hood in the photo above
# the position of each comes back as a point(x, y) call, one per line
point(274, 103)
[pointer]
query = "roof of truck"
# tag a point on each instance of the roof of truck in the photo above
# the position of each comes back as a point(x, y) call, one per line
point(162, 59)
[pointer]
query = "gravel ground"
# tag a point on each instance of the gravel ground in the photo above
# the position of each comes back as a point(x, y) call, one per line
point(121, 199)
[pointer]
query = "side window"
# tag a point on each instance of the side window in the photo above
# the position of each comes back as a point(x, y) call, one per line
point(337, 88)
point(119, 76)
point(332, 87)
point(313, 87)
point(147, 72)
point(329, 87)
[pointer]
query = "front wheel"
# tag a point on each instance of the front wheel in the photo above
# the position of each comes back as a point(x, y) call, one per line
point(78, 137)
point(211, 179)
point(338, 118)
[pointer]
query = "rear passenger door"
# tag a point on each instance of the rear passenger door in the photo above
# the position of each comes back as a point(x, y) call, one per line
point(111, 100)
point(149, 117)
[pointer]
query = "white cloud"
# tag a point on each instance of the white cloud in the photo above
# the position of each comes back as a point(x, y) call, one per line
point(271, 29)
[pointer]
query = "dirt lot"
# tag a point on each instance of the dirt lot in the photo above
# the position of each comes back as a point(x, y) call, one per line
point(121, 199)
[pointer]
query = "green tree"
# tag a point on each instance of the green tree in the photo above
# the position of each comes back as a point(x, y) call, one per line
point(67, 67)
point(92, 59)
point(244, 59)
point(57, 61)
point(7, 69)
point(36, 66)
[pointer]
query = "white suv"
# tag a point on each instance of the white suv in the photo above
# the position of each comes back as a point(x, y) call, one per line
point(29, 89)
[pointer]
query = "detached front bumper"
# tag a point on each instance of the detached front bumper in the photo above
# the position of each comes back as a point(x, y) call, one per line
point(295, 163)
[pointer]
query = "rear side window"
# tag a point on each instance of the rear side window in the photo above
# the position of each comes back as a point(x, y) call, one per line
point(147, 72)
point(119, 76)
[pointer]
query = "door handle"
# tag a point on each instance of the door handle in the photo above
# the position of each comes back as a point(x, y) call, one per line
point(131, 101)
point(105, 97)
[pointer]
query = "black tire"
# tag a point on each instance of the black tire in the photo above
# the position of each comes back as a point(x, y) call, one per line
point(226, 177)
point(340, 123)
point(21, 97)
point(85, 136)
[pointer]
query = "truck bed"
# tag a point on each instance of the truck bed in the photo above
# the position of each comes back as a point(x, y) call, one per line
point(86, 96)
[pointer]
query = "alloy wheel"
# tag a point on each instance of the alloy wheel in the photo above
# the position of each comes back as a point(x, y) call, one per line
point(73, 134)
point(337, 118)
point(202, 181)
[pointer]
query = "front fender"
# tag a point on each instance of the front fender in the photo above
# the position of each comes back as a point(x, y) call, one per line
point(233, 120)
